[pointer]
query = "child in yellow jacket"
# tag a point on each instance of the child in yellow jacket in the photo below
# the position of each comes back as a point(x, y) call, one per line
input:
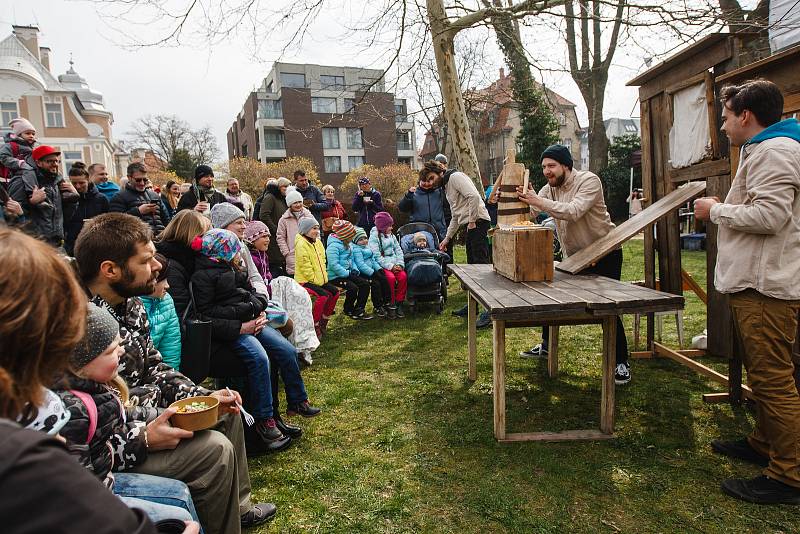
point(311, 272)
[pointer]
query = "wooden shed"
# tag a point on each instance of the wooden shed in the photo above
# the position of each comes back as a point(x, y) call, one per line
point(679, 106)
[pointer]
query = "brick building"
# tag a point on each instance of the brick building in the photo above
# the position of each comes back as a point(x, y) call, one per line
point(339, 117)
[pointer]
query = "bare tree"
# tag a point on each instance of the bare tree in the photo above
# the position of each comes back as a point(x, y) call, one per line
point(171, 139)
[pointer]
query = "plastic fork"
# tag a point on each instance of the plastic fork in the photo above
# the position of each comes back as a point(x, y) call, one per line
point(247, 417)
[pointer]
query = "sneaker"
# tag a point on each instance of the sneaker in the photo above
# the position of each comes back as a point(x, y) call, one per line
point(258, 514)
point(537, 351)
point(761, 490)
point(484, 320)
point(361, 315)
point(399, 311)
point(741, 450)
point(379, 311)
point(305, 358)
point(622, 374)
point(268, 430)
point(461, 312)
point(304, 408)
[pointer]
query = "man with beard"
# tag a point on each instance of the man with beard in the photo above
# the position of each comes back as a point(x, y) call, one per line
point(137, 200)
point(116, 261)
point(313, 198)
point(575, 200)
point(201, 196)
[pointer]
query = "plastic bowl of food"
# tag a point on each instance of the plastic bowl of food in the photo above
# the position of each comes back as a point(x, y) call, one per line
point(195, 413)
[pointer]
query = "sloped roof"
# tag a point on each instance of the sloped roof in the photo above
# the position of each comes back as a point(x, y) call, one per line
point(15, 57)
point(89, 99)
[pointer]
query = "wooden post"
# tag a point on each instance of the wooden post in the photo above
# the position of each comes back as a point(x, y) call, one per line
point(609, 361)
point(510, 210)
point(499, 377)
point(472, 331)
point(552, 352)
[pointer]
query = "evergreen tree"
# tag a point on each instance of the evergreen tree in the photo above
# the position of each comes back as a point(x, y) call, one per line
point(539, 130)
point(182, 164)
point(616, 177)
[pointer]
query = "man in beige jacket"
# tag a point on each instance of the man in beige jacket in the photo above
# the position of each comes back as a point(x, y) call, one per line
point(575, 200)
point(758, 266)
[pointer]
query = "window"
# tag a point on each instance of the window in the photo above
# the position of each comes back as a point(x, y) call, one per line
point(354, 162)
point(55, 115)
point(403, 140)
point(274, 140)
point(333, 164)
point(290, 79)
point(8, 112)
point(69, 158)
point(400, 113)
point(330, 138)
point(492, 118)
point(562, 119)
point(349, 106)
point(334, 83)
point(567, 143)
point(404, 161)
point(370, 84)
point(270, 87)
point(270, 109)
point(354, 139)
point(323, 105)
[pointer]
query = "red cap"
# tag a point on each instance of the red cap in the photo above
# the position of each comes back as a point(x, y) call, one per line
point(43, 151)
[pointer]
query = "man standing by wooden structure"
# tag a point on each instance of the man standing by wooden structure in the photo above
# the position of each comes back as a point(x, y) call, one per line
point(575, 200)
point(758, 265)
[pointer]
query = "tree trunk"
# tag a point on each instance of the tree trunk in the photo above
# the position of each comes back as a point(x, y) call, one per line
point(593, 92)
point(454, 110)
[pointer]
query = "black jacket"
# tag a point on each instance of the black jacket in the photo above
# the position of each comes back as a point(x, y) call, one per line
point(128, 201)
point(181, 268)
point(189, 199)
point(90, 204)
point(225, 297)
point(45, 219)
point(272, 209)
point(43, 489)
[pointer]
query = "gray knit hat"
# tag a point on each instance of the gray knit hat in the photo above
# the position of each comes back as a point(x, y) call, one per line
point(101, 330)
point(306, 224)
point(225, 213)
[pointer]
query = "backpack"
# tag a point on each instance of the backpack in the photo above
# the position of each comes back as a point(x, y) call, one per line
point(5, 173)
point(91, 407)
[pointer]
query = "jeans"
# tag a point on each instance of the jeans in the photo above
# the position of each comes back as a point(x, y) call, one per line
point(398, 283)
point(251, 352)
point(283, 357)
point(159, 497)
point(610, 266)
point(356, 292)
point(477, 244)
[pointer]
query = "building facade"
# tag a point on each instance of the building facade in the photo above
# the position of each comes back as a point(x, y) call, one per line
point(495, 124)
point(339, 117)
point(66, 112)
point(615, 127)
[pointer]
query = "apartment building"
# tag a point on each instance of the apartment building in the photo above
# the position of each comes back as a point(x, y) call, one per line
point(339, 117)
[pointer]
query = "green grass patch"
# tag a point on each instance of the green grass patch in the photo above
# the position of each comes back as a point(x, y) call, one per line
point(405, 440)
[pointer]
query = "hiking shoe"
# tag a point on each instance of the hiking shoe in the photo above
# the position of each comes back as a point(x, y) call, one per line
point(461, 312)
point(258, 514)
point(304, 408)
point(379, 311)
point(741, 450)
point(391, 312)
point(399, 310)
point(622, 374)
point(288, 429)
point(483, 320)
point(761, 490)
point(268, 431)
point(305, 358)
point(537, 351)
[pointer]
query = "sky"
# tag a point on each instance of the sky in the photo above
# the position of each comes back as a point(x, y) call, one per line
point(207, 85)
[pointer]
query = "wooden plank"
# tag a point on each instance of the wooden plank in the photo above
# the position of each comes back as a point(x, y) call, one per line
point(566, 435)
point(552, 353)
point(789, 57)
point(671, 242)
point(516, 297)
point(462, 273)
point(609, 360)
point(695, 287)
point(673, 355)
point(499, 378)
point(642, 355)
point(700, 171)
point(715, 398)
point(622, 233)
point(472, 337)
point(711, 104)
point(685, 84)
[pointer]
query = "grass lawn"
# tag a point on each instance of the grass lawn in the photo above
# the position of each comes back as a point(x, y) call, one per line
point(405, 442)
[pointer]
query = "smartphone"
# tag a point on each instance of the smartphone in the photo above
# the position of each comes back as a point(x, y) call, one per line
point(153, 202)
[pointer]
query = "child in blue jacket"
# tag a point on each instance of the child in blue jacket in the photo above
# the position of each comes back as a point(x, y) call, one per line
point(387, 251)
point(368, 266)
point(343, 273)
point(165, 329)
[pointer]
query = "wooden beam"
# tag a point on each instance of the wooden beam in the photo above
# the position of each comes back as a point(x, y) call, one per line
point(700, 171)
point(684, 84)
point(552, 353)
point(608, 388)
point(472, 334)
point(566, 435)
point(711, 103)
point(694, 286)
point(642, 355)
point(666, 352)
point(622, 233)
point(499, 378)
point(715, 398)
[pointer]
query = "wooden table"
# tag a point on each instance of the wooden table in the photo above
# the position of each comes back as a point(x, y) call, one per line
point(567, 300)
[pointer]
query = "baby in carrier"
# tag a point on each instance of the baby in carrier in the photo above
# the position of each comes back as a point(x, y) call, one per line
point(423, 261)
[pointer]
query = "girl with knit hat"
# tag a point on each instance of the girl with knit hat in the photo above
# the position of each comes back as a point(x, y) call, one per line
point(257, 237)
point(288, 227)
point(343, 274)
point(311, 273)
point(16, 153)
point(224, 295)
point(366, 263)
point(387, 251)
point(95, 397)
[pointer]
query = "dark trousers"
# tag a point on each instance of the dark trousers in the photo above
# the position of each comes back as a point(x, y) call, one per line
point(381, 292)
point(356, 292)
point(609, 266)
point(277, 269)
point(477, 243)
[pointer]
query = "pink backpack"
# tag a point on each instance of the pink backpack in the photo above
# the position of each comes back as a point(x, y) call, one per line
point(91, 407)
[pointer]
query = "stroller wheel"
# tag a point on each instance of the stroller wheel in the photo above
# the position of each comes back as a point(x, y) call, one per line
point(440, 306)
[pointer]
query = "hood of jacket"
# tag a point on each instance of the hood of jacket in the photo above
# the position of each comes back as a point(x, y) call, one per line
point(179, 253)
point(786, 128)
point(90, 193)
point(275, 190)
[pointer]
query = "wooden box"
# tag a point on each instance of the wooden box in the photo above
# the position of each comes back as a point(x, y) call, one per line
point(523, 254)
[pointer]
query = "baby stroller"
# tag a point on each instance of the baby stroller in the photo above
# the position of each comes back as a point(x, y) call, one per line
point(425, 270)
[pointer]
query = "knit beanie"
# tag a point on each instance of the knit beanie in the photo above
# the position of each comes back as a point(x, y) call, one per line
point(202, 170)
point(306, 224)
point(101, 330)
point(225, 213)
point(560, 153)
point(293, 196)
point(360, 232)
point(282, 181)
point(21, 125)
point(420, 237)
point(344, 230)
point(440, 158)
point(383, 220)
point(218, 245)
point(254, 230)
point(363, 180)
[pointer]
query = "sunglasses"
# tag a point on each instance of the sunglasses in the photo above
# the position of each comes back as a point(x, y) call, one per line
point(140, 180)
